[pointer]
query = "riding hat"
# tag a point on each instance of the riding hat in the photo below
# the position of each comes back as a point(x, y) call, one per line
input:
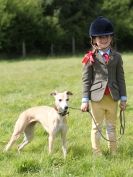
point(101, 26)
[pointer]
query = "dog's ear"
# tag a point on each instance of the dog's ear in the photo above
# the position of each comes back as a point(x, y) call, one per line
point(69, 93)
point(53, 93)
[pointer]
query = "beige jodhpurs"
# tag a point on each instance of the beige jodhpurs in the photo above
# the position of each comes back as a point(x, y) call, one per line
point(106, 110)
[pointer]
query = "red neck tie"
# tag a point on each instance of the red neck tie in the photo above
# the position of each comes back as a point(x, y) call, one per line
point(106, 57)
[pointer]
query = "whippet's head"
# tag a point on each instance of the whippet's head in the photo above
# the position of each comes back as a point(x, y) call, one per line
point(61, 101)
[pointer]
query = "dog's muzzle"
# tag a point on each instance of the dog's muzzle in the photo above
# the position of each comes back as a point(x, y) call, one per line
point(65, 112)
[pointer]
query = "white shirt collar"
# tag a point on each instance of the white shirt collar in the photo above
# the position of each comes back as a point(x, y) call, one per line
point(102, 52)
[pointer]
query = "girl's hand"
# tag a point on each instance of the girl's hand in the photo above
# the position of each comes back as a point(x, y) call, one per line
point(85, 107)
point(123, 105)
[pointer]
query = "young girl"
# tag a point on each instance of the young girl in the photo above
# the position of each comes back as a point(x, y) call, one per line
point(103, 83)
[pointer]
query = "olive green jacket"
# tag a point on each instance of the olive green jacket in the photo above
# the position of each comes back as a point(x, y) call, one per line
point(95, 77)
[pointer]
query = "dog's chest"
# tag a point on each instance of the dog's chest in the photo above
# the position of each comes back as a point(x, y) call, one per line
point(60, 124)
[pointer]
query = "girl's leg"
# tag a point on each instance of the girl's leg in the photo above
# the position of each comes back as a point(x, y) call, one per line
point(111, 117)
point(98, 114)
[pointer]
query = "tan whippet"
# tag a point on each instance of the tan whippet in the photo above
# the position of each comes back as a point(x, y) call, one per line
point(52, 120)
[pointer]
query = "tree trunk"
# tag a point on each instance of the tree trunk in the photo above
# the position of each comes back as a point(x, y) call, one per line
point(23, 49)
point(73, 45)
point(52, 49)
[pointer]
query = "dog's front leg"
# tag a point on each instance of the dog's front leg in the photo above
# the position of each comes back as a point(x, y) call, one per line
point(51, 140)
point(63, 138)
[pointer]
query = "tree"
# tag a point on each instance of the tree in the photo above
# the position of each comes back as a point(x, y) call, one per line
point(121, 13)
point(74, 18)
point(59, 26)
point(23, 22)
point(5, 20)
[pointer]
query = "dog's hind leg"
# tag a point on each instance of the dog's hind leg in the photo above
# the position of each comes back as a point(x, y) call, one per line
point(28, 135)
point(18, 129)
point(12, 141)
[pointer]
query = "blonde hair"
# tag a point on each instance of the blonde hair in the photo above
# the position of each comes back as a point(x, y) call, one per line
point(94, 45)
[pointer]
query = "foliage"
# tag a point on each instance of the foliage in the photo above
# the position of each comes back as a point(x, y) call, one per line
point(22, 26)
point(75, 17)
point(49, 26)
point(121, 13)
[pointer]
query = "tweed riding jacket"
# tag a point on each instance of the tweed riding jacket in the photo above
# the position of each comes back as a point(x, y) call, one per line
point(98, 75)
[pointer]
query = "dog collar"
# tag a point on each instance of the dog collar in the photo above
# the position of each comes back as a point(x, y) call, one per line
point(61, 113)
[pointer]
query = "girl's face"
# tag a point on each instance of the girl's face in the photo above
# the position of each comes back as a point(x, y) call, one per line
point(102, 42)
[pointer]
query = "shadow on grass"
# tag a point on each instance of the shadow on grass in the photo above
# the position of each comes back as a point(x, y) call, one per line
point(76, 152)
point(129, 108)
point(28, 166)
point(38, 57)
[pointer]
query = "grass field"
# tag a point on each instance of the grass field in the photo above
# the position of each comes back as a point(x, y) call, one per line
point(27, 83)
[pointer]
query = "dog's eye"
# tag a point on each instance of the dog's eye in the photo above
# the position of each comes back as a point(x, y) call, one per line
point(67, 99)
point(60, 100)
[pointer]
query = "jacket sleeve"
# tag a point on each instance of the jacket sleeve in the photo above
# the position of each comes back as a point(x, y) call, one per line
point(121, 78)
point(86, 79)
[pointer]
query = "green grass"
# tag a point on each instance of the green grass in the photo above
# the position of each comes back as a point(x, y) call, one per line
point(27, 83)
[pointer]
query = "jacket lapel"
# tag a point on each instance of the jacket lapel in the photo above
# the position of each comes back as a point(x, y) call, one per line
point(100, 58)
point(111, 57)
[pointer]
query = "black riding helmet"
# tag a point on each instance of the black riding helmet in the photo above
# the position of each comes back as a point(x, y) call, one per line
point(101, 26)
